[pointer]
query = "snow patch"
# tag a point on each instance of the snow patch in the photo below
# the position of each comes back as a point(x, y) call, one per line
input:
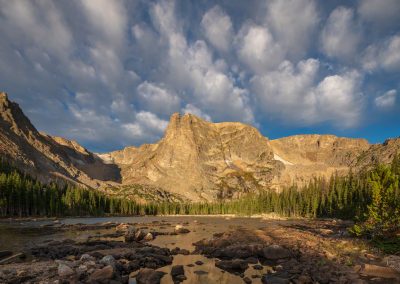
point(278, 158)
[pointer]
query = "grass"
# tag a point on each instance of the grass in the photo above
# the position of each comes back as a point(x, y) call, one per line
point(390, 246)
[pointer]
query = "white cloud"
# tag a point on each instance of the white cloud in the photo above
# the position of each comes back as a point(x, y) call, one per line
point(189, 108)
point(385, 55)
point(293, 95)
point(218, 28)
point(147, 127)
point(294, 23)
point(258, 49)
point(386, 100)
point(382, 13)
point(108, 19)
point(157, 99)
point(340, 37)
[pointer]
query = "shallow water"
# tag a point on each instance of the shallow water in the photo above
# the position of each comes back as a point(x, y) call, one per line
point(17, 236)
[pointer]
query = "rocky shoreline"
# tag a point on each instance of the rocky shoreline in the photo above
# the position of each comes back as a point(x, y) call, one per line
point(291, 252)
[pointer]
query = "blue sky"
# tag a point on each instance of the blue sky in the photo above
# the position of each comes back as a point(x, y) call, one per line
point(110, 73)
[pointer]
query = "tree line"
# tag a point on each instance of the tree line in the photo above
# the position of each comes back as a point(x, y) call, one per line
point(371, 197)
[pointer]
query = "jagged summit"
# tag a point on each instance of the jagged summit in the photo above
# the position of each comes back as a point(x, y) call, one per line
point(195, 160)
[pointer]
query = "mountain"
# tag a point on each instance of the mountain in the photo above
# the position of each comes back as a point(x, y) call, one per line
point(195, 160)
point(47, 157)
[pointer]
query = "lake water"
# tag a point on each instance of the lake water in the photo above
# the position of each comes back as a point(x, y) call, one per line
point(17, 236)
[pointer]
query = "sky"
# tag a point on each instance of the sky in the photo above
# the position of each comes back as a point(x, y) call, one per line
point(109, 73)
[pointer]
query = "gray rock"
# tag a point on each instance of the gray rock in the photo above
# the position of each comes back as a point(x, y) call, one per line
point(108, 260)
point(86, 257)
point(64, 270)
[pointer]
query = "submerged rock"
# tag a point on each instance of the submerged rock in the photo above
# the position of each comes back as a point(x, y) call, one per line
point(179, 229)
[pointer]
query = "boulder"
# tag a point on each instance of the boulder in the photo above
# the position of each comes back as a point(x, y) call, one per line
point(179, 229)
point(149, 276)
point(270, 279)
point(108, 260)
point(139, 235)
point(235, 265)
point(379, 271)
point(177, 270)
point(99, 275)
point(86, 257)
point(148, 237)
point(275, 252)
point(64, 270)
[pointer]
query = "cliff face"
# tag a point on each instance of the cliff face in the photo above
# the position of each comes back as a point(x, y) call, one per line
point(195, 160)
point(308, 156)
point(47, 157)
point(201, 160)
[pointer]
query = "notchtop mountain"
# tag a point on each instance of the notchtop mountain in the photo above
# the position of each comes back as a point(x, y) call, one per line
point(196, 160)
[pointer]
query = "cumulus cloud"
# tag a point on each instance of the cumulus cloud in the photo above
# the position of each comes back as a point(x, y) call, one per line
point(156, 99)
point(385, 55)
point(386, 100)
point(340, 37)
point(218, 28)
point(112, 72)
point(293, 94)
point(382, 14)
point(294, 23)
point(189, 108)
point(258, 49)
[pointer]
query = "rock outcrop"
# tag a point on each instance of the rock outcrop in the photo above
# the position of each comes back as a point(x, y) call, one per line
point(201, 160)
point(195, 160)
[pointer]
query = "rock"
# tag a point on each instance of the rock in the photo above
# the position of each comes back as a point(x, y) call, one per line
point(179, 229)
point(106, 273)
point(149, 276)
point(148, 237)
point(392, 261)
point(258, 267)
point(130, 234)
point(232, 266)
point(178, 273)
point(379, 271)
point(86, 257)
point(247, 280)
point(275, 252)
point(199, 262)
point(304, 279)
point(177, 270)
point(64, 270)
point(270, 279)
point(139, 235)
point(108, 260)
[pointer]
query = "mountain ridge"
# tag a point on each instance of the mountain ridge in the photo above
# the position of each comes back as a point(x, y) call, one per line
point(195, 160)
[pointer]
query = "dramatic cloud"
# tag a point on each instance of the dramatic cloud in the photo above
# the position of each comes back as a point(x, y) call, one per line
point(110, 73)
point(293, 94)
point(340, 36)
point(388, 99)
point(258, 49)
point(218, 28)
point(293, 22)
point(383, 13)
point(384, 55)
